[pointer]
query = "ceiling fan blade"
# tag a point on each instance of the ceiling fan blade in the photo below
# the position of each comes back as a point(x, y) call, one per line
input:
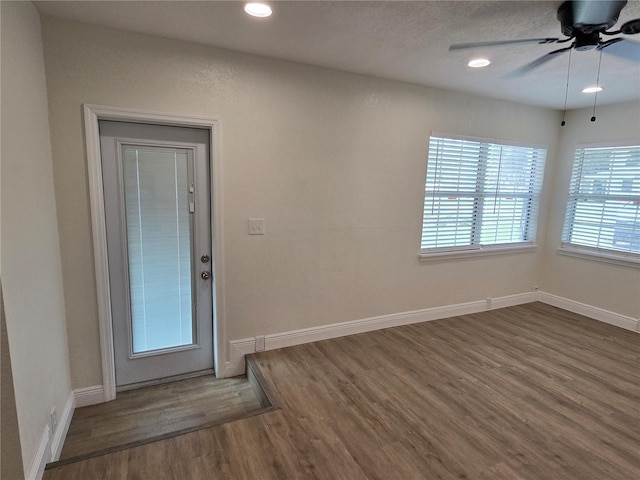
point(622, 48)
point(537, 62)
point(540, 41)
point(632, 27)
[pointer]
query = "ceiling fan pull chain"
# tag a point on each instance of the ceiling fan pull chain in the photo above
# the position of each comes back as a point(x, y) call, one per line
point(566, 92)
point(593, 118)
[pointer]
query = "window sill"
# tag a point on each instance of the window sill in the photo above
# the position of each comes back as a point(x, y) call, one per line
point(621, 259)
point(477, 252)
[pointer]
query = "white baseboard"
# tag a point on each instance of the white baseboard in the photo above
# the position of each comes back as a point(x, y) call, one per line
point(239, 348)
point(84, 397)
point(64, 420)
point(50, 446)
point(512, 300)
point(41, 458)
point(606, 316)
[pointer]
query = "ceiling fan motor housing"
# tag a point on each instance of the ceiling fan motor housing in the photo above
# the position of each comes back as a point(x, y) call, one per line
point(586, 17)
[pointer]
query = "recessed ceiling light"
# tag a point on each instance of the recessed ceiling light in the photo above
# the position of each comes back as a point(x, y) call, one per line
point(258, 9)
point(479, 63)
point(592, 90)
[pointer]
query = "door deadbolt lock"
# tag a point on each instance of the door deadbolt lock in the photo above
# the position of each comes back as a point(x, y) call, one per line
point(205, 275)
point(205, 258)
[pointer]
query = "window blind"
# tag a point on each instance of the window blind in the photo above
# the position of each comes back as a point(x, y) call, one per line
point(480, 193)
point(159, 242)
point(603, 210)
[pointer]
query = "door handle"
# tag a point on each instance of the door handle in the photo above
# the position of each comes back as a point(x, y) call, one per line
point(205, 275)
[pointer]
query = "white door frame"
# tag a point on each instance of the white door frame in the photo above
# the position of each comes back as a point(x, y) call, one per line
point(92, 114)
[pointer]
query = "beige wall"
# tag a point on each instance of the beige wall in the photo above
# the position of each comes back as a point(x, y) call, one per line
point(334, 162)
point(31, 270)
point(10, 455)
point(611, 287)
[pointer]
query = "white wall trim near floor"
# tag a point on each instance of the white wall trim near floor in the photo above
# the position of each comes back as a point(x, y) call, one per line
point(89, 396)
point(50, 446)
point(42, 456)
point(606, 316)
point(60, 434)
point(239, 348)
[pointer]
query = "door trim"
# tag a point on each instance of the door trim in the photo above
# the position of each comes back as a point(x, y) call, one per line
point(94, 113)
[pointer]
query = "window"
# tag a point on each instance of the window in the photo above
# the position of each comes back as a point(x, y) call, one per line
point(603, 211)
point(480, 195)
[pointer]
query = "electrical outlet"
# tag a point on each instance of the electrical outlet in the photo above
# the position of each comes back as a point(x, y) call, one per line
point(488, 300)
point(256, 226)
point(260, 343)
point(53, 420)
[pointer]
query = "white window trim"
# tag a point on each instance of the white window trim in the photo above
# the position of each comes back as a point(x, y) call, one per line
point(472, 251)
point(475, 251)
point(611, 257)
point(494, 140)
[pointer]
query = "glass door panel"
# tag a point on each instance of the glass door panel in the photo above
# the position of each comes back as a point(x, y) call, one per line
point(158, 190)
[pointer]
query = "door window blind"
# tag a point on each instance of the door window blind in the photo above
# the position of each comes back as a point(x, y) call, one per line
point(156, 184)
point(480, 193)
point(603, 210)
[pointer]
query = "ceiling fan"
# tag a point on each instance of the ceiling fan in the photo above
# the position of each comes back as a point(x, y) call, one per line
point(582, 22)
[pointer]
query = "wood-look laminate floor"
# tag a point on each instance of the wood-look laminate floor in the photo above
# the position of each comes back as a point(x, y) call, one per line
point(150, 413)
point(526, 392)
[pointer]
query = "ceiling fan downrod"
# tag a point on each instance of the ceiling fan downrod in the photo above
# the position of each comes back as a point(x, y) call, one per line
point(586, 41)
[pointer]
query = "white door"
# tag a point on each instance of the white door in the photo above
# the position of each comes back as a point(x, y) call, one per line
point(158, 217)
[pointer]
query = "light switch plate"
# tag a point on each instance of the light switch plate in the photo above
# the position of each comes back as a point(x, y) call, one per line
point(256, 226)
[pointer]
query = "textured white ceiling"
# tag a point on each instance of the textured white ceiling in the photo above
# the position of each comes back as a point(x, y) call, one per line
point(399, 40)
